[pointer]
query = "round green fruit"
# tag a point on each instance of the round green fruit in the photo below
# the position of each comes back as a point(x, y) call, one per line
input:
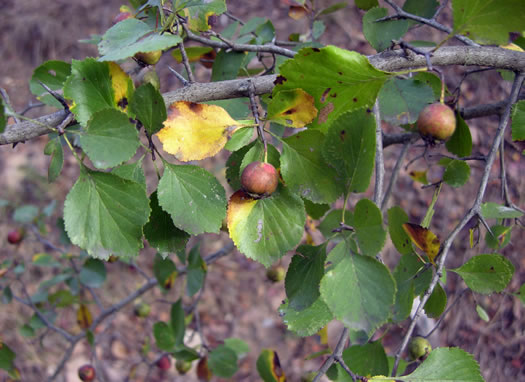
point(182, 366)
point(142, 310)
point(149, 58)
point(419, 348)
point(437, 121)
point(259, 179)
point(276, 274)
point(86, 373)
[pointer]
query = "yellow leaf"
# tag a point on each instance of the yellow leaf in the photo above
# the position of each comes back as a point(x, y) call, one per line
point(419, 176)
point(424, 239)
point(292, 108)
point(512, 46)
point(84, 318)
point(122, 86)
point(239, 208)
point(381, 378)
point(196, 131)
point(323, 334)
point(297, 12)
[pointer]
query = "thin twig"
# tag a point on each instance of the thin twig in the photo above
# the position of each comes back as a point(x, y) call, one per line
point(338, 352)
point(179, 76)
point(186, 63)
point(444, 314)
point(255, 112)
point(445, 248)
point(380, 164)
point(395, 174)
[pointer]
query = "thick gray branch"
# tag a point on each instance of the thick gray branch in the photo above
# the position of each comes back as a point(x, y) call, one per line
point(388, 61)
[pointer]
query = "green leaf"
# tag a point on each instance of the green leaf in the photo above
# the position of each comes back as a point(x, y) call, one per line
point(492, 210)
point(7, 357)
point(404, 277)
point(305, 171)
point(338, 79)
point(240, 347)
point(331, 221)
point(227, 65)
point(54, 149)
point(308, 321)
point(349, 146)
point(199, 13)
point(367, 359)
point(333, 8)
point(396, 218)
point(53, 74)
point(240, 138)
point(304, 275)
point(351, 283)
point(518, 121)
point(501, 237)
point(265, 229)
point(381, 34)
point(193, 197)
point(456, 173)
point(104, 214)
point(488, 21)
point(89, 87)
point(446, 364)
point(422, 8)
point(222, 362)
point(366, 4)
point(164, 270)
point(25, 214)
point(131, 171)
point(436, 303)
point(93, 273)
point(368, 225)
point(314, 210)
point(160, 231)
point(177, 323)
point(148, 106)
point(482, 313)
point(486, 274)
point(164, 337)
point(233, 166)
point(256, 153)
point(196, 271)
point(110, 138)
point(318, 29)
point(131, 36)
point(460, 143)
point(401, 100)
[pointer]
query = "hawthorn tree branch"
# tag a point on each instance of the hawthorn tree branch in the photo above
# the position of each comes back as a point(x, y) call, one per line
point(380, 165)
point(389, 61)
point(473, 211)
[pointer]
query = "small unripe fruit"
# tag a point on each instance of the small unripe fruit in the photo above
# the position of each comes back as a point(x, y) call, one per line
point(182, 366)
point(259, 179)
point(419, 348)
point(15, 236)
point(437, 121)
point(164, 363)
point(276, 274)
point(149, 58)
point(86, 373)
point(142, 310)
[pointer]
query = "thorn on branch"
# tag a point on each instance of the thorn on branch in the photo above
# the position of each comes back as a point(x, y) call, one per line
point(55, 95)
point(179, 77)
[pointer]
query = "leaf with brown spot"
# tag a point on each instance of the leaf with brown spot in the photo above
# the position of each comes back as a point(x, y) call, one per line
point(269, 366)
point(297, 12)
point(424, 239)
point(196, 131)
point(84, 318)
point(419, 176)
point(292, 108)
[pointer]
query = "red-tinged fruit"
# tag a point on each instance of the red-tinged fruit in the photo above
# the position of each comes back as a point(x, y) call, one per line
point(437, 121)
point(419, 348)
point(259, 179)
point(86, 373)
point(164, 363)
point(182, 366)
point(15, 236)
point(149, 58)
